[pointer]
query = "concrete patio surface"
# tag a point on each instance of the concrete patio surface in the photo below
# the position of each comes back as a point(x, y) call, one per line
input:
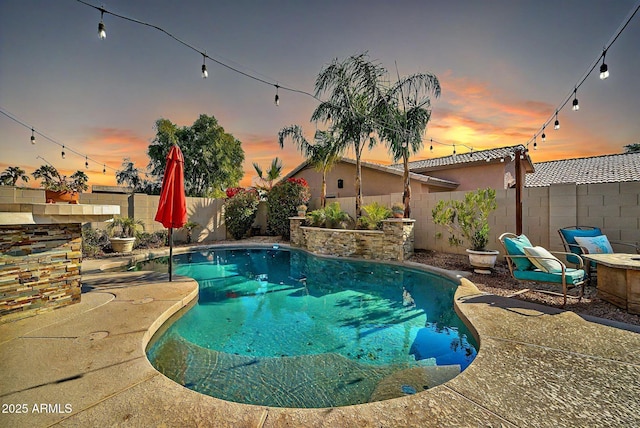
point(84, 365)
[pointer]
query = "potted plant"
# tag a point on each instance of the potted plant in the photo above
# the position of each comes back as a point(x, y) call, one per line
point(468, 220)
point(59, 188)
point(302, 210)
point(397, 209)
point(122, 231)
point(188, 227)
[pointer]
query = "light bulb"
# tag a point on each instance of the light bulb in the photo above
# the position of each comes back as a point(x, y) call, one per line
point(604, 71)
point(556, 124)
point(86, 163)
point(575, 106)
point(205, 73)
point(33, 136)
point(102, 33)
point(104, 169)
point(276, 100)
point(63, 153)
point(544, 136)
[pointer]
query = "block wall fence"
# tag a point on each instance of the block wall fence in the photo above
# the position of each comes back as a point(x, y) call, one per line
point(614, 207)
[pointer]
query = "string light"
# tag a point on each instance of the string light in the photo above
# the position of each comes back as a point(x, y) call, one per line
point(276, 100)
point(454, 150)
point(205, 74)
point(604, 69)
point(104, 168)
point(65, 149)
point(86, 162)
point(544, 136)
point(102, 29)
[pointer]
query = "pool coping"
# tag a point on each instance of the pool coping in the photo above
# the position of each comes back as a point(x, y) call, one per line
point(536, 366)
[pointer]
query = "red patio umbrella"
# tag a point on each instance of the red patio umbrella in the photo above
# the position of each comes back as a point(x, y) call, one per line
point(172, 207)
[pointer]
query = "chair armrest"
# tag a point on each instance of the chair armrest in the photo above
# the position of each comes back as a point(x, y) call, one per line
point(635, 246)
point(579, 265)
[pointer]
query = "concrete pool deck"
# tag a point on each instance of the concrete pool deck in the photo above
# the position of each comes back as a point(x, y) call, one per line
point(85, 365)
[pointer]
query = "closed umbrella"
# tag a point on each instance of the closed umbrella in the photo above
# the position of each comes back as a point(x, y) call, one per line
point(172, 207)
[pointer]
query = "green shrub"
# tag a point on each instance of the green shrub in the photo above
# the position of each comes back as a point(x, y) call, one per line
point(94, 242)
point(152, 240)
point(282, 202)
point(331, 217)
point(240, 212)
point(374, 214)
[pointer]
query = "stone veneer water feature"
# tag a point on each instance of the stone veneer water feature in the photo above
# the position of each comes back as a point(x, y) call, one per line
point(394, 242)
point(40, 255)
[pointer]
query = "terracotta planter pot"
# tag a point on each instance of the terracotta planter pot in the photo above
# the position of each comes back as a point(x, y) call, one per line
point(65, 197)
point(122, 245)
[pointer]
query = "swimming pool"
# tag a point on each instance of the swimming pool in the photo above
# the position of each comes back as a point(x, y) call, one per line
point(285, 328)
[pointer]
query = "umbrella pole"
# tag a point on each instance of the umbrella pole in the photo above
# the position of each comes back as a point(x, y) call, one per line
point(170, 254)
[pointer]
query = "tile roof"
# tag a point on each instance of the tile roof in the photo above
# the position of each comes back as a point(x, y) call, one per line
point(597, 169)
point(459, 159)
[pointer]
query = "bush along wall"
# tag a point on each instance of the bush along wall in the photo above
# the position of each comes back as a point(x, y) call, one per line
point(282, 202)
point(240, 211)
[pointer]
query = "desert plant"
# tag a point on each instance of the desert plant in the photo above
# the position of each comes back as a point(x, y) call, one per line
point(331, 217)
point(124, 227)
point(240, 212)
point(157, 239)
point(397, 209)
point(467, 219)
point(374, 214)
point(188, 227)
point(282, 203)
point(52, 180)
point(94, 242)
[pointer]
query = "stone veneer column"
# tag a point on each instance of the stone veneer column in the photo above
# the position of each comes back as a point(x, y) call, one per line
point(297, 235)
point(39, 268)
point(399, 238)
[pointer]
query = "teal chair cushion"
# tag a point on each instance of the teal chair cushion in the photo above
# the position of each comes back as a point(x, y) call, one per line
point(515, 247)
point(574, 276)
point(570, 236)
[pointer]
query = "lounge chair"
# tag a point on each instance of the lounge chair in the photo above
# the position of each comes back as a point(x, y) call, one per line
point(589, 240)
point(529, 263)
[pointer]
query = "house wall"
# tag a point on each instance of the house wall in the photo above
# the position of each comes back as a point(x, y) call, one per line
point(473, 177)
point(374, 182)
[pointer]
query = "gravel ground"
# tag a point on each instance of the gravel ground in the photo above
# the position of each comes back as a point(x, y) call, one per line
point(501, 283)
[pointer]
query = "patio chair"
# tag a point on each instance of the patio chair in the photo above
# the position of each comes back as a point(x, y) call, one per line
point(529, 263)
point(588, 240)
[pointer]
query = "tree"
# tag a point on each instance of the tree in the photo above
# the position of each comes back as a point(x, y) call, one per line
point(632, 148)
point(129, 175)
point(322, 155)
point(273, 174)
point(11, 175)
point(404, 112)
point(212, 158)
point(354, 89)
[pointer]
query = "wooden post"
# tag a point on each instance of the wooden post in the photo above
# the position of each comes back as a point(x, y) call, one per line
point(518, 194)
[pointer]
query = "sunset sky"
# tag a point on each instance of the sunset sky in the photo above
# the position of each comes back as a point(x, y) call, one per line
point(504, 66)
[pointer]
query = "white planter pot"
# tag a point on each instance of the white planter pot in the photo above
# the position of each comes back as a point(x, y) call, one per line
point(122, 245)
point(484, 260)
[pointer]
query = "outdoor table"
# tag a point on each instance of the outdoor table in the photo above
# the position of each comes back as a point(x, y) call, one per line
point(619, 279)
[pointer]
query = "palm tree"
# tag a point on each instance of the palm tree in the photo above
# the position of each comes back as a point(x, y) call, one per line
point(321, 155)
point(272, 174)
point(11, 175)
point(403, 113)
point(354, 89)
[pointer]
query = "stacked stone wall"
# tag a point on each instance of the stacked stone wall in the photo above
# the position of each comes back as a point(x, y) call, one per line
point(39, 268)
point(394, 242)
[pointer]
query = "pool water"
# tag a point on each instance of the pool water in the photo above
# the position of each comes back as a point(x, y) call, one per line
point(285, 328)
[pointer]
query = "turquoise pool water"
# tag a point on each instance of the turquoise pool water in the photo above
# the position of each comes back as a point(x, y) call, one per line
point(284, 328)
